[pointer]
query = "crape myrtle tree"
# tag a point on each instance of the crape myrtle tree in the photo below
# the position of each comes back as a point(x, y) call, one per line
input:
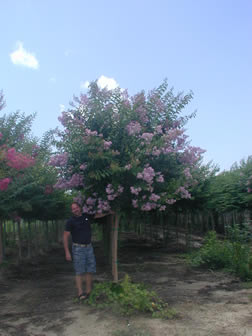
point(25, 177)
point(123, 153)
point(26, 180)
point(13, 155)
point(13, 160)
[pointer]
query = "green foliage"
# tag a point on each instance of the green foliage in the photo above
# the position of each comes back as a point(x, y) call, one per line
point(214, 253)
point(129, 298)
point(230, 190)
point(233, 253)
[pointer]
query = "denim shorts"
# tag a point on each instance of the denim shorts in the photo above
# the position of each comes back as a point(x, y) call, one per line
point(83, 259)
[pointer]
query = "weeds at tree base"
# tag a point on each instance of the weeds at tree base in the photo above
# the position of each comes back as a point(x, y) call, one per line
point(129, 298)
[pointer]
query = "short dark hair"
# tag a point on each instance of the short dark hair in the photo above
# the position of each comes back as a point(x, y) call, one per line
point(76, 204)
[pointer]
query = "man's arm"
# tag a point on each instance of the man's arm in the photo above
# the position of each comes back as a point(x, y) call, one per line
point(103, 215)
point(66, 236)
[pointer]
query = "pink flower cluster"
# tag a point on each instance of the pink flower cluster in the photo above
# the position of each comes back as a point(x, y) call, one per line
point(187, 173)
point(4, 183)
point(103, 206)
point(147, 137)
point(17, 160)
point(75, 181)
point(183, 192)
point(142, 113)
point(87, 138)
point(59, 160)
point(1, 135)
point(83, 166)
point(153, 197)
point(139, 105)
point(152, 203)
point(156, 151)
point(158, 129)
point(112, 194)
point(191, 155)
point(133, 128)
point(94, 205)
point(135, 191)
point(90, 133)
point(64, 119)
point(147, 174)
point(148, 206)
point(174, 140)
point(107, 144)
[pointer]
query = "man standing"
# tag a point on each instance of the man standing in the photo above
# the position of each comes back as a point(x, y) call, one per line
point(82, 250)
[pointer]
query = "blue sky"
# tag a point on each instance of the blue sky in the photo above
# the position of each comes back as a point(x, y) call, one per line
point(50, 49)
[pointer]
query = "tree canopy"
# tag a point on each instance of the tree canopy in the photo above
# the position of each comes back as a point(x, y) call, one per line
point(123, 152)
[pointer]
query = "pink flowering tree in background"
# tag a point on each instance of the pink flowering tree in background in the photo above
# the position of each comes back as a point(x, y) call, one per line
point(123, 152)
point(26, 181)
point(13, 158)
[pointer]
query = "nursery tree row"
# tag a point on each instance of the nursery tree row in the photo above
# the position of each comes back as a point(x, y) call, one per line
point(26, 180)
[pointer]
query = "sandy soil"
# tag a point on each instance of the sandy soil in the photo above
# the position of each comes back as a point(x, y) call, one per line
point(36, 298)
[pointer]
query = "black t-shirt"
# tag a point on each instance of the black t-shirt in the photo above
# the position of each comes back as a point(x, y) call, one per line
point(80, 228)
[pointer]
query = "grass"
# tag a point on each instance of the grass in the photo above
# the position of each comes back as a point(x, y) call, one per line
point(246, 285)
point(131, 331)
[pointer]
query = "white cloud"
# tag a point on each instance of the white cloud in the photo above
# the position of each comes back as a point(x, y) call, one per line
point(84, 85)
point(22, 57)
point(109, 83)
point(102, 82)
point(62, 107)
point(52, 79)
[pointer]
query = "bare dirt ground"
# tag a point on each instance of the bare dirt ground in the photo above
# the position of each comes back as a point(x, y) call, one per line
point(36, 298)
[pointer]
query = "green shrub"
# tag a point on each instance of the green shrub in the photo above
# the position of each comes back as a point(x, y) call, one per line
point(128, 298)
point(233, 253)
point(213, 254)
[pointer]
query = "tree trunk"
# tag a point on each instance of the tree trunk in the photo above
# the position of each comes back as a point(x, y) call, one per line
point(114, 245)
point(176, 228)
point(4, 237)
point(19, 241)
point(46, 236)
point(29, 247)
point(1, 242)
point(106, 232)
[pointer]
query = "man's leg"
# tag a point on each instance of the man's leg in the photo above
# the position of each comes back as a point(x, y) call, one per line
point(79, 280)
point(88, 279)
point(90, 268)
